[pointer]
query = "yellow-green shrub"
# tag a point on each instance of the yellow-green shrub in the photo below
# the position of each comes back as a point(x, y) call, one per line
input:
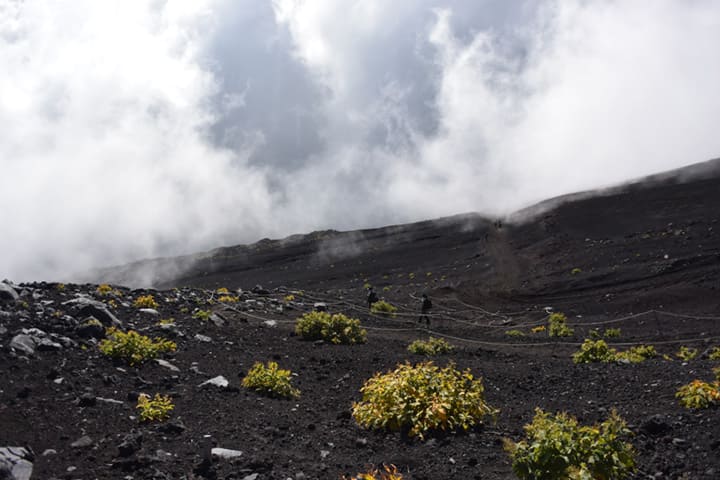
point(637, 354)
point(699, 394)
point(336, 328)
point(592, 351)
point(387, 473)
point(383, 308)
point(422, 398)
point(202, 314)
point(716, 371)
point(145, 301)
point(133, 347)
point(430, 347)
point(556, 448)
point(515, 333)
point(611, 333)
point(714, 354)
point(228, 299)
point(271, 381)
point(686, 354)
point(558, 326)
point(156, 409)
point(538, 329)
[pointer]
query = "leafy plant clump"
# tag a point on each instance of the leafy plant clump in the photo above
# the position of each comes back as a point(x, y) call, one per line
point(156, 409)
point(430, 347)
point(714, 354)
point(686, 354)
point(387, 473)
point(515, 333)
point(105, 289)
point(592, 351)
point(203, 315)
point(558, 326)
point(145, 301)
point(611, 333)
point(698, 394)
point(556, 447)
point(383, 308)
point(228, 299)
point(538, 329)
point(336, 328)
point(422, 398)
point(716, 372)
point(271, 381)
point(133, 347)
point(637, 354)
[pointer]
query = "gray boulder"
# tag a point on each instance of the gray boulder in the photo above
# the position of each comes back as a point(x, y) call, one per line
point(16, 463)
point(87, 307)
point(7, 292)
point(23, 344)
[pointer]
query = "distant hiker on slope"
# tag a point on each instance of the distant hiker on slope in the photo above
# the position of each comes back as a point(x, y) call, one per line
point(371, 297)
point(425, 308)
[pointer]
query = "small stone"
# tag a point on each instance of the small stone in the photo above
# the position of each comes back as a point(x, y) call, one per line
point(225, 453)
point(679, 442)
point(131, 443)
point(361, 442)
point(203, 338)
point(252, 476)
point(46, 345)
point(49, 452)
point(82, 442)
point(166, 364)
point(219, 381)
point(217, 319)
point(150, 311)
point(324, 454)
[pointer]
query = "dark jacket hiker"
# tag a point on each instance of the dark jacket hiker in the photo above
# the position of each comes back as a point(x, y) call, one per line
point(425, 308)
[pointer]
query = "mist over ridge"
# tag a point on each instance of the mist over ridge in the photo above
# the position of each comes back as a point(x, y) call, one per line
point(156, 129)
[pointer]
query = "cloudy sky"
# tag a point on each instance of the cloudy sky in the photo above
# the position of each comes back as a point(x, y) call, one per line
point(139, 129)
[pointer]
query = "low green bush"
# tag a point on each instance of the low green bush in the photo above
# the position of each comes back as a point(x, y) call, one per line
point(271, 381)
point(557, 448)
point(611, 333)
point(637, 354)
point(422, 398)
point(431, 347)
point(714, 354)
point(592, 351)
point(156, 409)
point(387, 473)
point(558, 326)
point(145, 301)
point(698, 394)
point(336, 328)
point(133, 347)
point(383, 308)
point(515, 333)
point(686, 354)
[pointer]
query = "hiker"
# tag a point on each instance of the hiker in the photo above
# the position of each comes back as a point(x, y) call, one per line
point(371, 297)
point(425, 308)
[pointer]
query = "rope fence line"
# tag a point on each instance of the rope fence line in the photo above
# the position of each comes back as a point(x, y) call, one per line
point(496, 344)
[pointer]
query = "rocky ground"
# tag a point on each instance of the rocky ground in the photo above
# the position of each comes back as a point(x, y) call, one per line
point(645, 260)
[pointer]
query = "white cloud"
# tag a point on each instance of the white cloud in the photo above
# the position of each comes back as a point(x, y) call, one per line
point(333, 115)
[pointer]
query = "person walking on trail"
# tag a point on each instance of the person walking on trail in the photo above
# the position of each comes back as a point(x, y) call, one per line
point(425, 308)
point(371, 297)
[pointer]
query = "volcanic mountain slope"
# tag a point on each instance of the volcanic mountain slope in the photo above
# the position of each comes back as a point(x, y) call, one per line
point(643, 259)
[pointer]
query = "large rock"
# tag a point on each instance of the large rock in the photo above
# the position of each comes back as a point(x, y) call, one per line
point(16, 463)
point(7, 292)
point(23, 344)
point(87, 307)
